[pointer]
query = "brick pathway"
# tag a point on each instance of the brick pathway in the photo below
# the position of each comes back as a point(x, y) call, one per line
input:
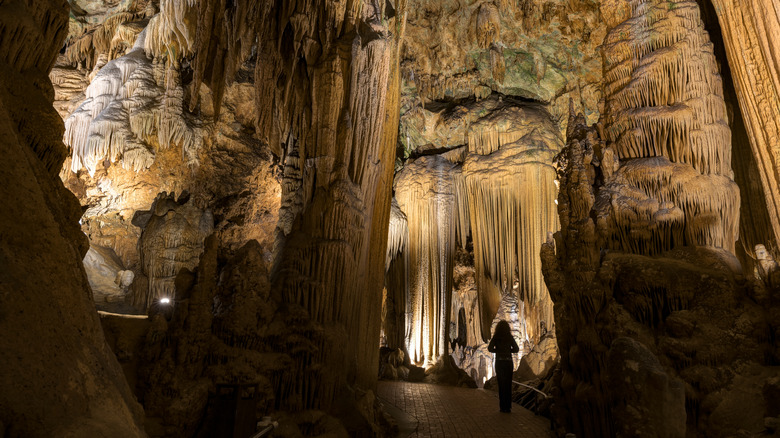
point(444, 411)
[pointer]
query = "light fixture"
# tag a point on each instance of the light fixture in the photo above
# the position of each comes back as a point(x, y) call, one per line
point(165, 300)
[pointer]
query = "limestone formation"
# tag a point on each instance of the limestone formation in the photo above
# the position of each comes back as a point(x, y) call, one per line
point(748, 33)
point(329, 88)
point(510, 181)
point(103, 29)
point(671, 306)
point(59, 377)
point(370, 182)
point(395, 297)
point(425, 190)
point(665, 113)
point(127, 116)
point(540, 50)
point(108, 278)
point(172, 240)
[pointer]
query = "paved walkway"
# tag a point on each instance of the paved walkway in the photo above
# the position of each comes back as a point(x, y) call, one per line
point(444, 411)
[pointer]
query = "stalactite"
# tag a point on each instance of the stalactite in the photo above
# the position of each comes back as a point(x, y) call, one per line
point(675, 206)
point(171, 32)
point(425, 190)
point(396, 295)
point(436, 87)
point(127, 114)
point(488, 25)
point(665, 110)
point(510, 182)
point(462, 220)
point(398, 233)
point(103, 39)
point(224, 37)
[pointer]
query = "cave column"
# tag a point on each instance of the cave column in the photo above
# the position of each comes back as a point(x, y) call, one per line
point(754, 59)
point(337, 94)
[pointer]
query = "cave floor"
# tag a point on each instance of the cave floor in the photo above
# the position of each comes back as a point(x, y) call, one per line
point(445, 411)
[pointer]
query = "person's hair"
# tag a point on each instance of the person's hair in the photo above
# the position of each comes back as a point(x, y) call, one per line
point(502, 330)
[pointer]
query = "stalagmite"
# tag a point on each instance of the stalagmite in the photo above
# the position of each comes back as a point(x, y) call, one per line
point(510, 181)
point(666, 114)
point(643, 271)
point(425, 190)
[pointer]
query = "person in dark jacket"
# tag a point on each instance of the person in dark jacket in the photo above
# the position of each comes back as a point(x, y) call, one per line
point(503, 344)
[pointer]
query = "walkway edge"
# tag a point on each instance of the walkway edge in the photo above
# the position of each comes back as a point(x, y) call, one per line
point(407, 424)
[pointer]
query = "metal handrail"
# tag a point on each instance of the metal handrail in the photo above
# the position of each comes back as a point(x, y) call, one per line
point(531, 387)
point(268, 425)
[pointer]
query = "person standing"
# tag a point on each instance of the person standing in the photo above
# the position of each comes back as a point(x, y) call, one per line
point(503, 345)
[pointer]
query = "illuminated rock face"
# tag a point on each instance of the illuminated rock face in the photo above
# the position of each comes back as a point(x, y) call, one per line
point(425, 190)
point(323, 89)
point(546, 51)
point(127, 116)
point(510, 182)
point(682, 322)
point(328, 93)
point(172, 240)
point(645, 258)
point(395, 302)
point(503, 196)
point(665, 122)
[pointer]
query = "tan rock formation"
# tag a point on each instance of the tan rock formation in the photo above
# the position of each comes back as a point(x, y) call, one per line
point(749, 28)
point(671, 306)
point(510, 181)
point(108, 278)
point(665, 113)
point(132, 108)
point(425, 190)
point(288, 115)
point(103, 29)
point(59, 377)
point(538, 49)
point(172, 240)
point(328, 89)
point(395, 332)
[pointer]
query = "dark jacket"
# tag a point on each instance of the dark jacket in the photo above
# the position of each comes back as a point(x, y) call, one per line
point(503, 347)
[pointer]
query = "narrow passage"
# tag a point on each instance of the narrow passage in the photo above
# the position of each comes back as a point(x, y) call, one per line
point(444, 411)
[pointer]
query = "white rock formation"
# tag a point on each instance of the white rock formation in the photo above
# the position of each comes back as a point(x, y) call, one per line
point(425, 191)
point(133, 107)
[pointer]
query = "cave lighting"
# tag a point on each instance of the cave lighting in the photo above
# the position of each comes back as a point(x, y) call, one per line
point(165, 300)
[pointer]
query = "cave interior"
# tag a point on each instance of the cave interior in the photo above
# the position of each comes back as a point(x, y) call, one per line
point(286, 204)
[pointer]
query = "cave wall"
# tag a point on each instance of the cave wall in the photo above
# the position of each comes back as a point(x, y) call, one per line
point(59, 376)
point(133, 138)
point(325, 91)
point(648, 292)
